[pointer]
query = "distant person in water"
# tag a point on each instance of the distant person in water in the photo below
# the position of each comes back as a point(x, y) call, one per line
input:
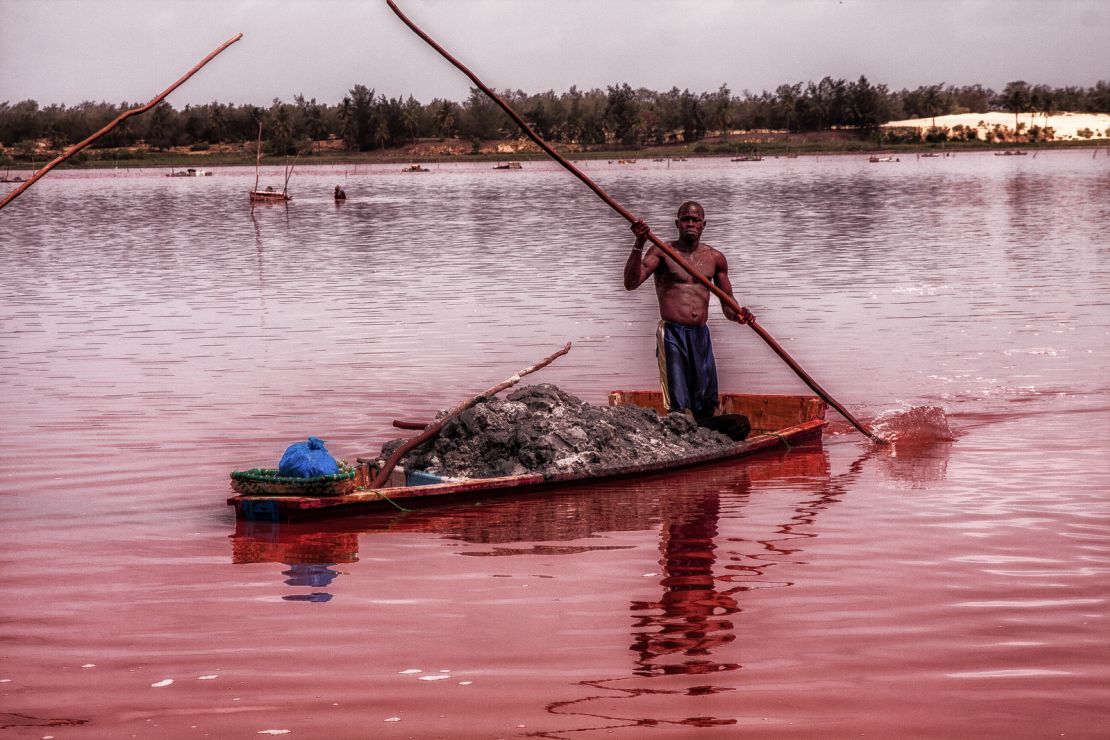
point(684, 350)
point(339, 194)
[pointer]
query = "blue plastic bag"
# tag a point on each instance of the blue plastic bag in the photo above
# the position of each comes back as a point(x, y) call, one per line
point(307, 460)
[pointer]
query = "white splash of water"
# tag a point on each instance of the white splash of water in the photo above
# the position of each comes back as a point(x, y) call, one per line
point(915, 425)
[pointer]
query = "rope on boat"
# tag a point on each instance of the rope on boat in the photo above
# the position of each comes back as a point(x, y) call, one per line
point(781, 439)
point(387, 498)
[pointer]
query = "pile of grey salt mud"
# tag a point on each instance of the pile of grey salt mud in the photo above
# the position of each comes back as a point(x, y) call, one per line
point(541, 429)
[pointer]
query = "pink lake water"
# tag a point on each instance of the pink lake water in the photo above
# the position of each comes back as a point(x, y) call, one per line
point(158, 333)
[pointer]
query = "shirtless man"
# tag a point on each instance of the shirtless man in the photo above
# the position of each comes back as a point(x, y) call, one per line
point(684, 350)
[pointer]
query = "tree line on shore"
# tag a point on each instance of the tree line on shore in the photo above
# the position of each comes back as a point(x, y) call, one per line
point(619, 116)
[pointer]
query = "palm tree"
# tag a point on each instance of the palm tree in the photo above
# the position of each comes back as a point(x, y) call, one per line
point(410, 117)
point(787, 102)
point(445, 119)
point(934, 101)
point(346, 122)
point(381, 130)
point(218, 120)
point(721, 103)
point(1016, 98)
point(1044, 100)
point(282, 126)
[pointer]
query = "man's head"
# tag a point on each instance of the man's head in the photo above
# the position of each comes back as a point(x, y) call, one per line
point(690, 222)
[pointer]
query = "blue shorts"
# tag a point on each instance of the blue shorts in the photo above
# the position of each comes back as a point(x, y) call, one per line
point(687, 370)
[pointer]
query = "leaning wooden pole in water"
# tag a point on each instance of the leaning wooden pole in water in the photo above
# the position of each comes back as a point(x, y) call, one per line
point(627, 215)
point(382, 476)
point(289, 173)
point(258, 157)
point(119, 119)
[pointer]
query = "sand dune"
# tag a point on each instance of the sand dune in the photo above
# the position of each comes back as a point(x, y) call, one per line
point(1065, 125)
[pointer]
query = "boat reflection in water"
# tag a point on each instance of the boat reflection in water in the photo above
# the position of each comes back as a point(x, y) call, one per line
point(691, 628)
point(310, 555)
point(685, 506)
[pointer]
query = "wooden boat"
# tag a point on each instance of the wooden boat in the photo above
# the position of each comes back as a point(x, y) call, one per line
point(269, 196)
point(777, 421)
point(415, 168)
point(875, 158)
point(191, 172)
point(1009, 153)
point(748, 158)
point(508, 166)
point(558, 514)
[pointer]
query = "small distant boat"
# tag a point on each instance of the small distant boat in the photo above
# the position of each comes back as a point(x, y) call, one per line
point(415, 168)
point(626, 161)
point(748, 158)
point(191, 172)
point(1009, 153)
point(874, 158)
point(17, 178)
point(508, 166)
point(269, 195)
point(930, 154)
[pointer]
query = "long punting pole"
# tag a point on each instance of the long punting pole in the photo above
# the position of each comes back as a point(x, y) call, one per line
point(119, 119)
point(661, 245)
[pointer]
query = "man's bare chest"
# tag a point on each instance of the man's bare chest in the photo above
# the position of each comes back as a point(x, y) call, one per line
point(700, 259)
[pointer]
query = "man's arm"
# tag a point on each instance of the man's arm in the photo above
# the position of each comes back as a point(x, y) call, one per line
point(721, 280)
point(640, 265)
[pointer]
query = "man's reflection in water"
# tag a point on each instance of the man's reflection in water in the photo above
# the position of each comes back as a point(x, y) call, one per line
point(693, 617)
point(678, 633)
point(315, 575)
point(693, 620)
point(309, 553)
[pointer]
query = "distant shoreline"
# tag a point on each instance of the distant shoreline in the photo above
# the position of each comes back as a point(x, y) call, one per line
point(167, 160)
point(736, 144)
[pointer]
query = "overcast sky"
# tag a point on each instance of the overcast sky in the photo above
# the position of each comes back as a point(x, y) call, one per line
point(68, 51)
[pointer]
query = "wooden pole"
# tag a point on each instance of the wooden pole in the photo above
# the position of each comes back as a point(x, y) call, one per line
point(258, 156)
point(119, 119)
point(289, 173)
point(434, 428)
point(628, 216)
